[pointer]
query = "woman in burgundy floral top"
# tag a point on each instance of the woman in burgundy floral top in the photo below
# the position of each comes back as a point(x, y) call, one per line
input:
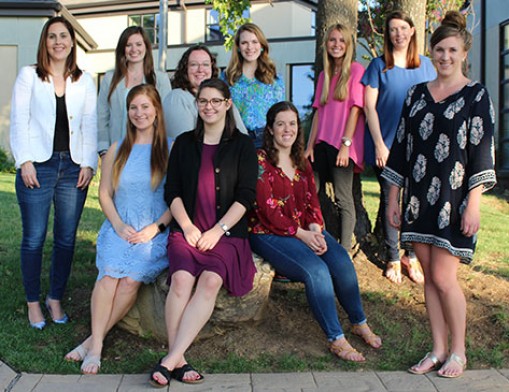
point(286, 229)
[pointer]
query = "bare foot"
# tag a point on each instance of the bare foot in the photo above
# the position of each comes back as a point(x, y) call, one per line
point(414, 269)
point(393, 271)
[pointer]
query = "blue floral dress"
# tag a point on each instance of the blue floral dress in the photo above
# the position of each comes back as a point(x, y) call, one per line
point(442, 150)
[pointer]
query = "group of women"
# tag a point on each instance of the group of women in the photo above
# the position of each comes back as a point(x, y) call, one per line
point(182, 181)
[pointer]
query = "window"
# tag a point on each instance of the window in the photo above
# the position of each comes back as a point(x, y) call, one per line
point(503, 139)
point(302, 88)
point(149, 22)
point(313, 23)
point(212, 30)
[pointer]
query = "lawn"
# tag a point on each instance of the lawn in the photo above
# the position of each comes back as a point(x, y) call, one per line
point(397, 313)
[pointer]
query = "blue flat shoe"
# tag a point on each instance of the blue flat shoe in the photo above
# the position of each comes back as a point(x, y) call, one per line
point(63, 320)
point(38, 325)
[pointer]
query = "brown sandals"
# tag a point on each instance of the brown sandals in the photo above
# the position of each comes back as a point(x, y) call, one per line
point(367, 335)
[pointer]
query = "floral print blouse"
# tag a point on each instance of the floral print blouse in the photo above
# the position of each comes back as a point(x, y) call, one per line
point(283, 204)
point(254, 98)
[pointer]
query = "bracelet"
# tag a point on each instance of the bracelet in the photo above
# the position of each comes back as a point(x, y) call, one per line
point(223, 226)
point(162, 227)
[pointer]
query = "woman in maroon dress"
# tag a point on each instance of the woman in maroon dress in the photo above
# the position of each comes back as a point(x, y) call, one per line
point(211, 183)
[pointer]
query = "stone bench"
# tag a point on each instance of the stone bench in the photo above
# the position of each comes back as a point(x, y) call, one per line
point(146, 317)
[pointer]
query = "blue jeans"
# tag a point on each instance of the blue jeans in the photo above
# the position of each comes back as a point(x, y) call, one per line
point(325, 277)
point(391, 234)
point(58, 178)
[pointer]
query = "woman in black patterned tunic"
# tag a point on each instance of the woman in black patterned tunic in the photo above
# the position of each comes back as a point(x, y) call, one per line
point(443, 158)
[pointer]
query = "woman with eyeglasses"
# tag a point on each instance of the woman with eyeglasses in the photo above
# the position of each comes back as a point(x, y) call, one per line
point(210, 185)
point(180, 111)
point(134, 65)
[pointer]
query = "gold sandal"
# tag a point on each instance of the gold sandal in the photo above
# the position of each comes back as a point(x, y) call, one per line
point(367, 335)
point(345, 352)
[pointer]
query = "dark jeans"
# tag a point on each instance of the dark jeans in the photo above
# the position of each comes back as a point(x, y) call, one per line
point(257, 136)
point(326, 277)
point(58, 178)
point(391, 234)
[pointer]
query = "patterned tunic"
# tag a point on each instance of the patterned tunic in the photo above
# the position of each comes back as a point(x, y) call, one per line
point(442, 150)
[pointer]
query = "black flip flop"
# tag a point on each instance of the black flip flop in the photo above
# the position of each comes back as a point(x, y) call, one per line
point(164, 371)
point(179, 373)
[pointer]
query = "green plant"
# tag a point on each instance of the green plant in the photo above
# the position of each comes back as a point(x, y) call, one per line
point(6, 162)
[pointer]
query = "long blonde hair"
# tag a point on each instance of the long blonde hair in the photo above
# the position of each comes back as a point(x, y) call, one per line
point(159, 154)
point(265, 70)
point(341, 89)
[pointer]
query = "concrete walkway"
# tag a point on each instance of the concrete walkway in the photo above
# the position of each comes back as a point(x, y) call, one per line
point(473, 380)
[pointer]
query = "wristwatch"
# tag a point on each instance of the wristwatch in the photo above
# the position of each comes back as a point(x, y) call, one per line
point(346, 141)
point(224, 228)
point(162, 227)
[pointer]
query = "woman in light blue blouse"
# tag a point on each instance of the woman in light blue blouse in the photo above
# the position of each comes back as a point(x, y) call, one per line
point(387, 80)
point(134, 65)
point(254, 83)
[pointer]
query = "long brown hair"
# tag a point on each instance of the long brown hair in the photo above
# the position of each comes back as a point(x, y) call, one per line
point(230, 127)
point(180, 78)
point(265, 70)
point(43, 60)
point(297, 152)
point(159, 153)
point(341, 89)
point(121, 61)
point(412, 58)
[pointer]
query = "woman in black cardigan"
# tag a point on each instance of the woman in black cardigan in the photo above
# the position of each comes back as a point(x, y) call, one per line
point(211, 184)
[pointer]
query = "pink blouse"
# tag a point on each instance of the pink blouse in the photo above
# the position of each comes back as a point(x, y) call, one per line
point(283, 204)
point(333, 116)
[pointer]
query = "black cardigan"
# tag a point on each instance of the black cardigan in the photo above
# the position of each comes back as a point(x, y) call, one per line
point(235, 169)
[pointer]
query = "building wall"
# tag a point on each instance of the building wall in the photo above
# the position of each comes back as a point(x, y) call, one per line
point(19, 38)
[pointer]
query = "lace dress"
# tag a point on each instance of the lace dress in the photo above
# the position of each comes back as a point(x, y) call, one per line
point(138, 205)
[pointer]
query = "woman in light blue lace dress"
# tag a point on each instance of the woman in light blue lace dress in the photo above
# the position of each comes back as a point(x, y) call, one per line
point(131, 245)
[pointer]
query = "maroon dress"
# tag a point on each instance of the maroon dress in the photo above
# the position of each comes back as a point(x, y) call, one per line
point(231, 258)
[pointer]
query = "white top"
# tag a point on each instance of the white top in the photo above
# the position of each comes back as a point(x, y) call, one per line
point(33, 118)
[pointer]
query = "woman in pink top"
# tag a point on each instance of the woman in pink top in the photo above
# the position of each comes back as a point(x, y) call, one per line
point(336, 142)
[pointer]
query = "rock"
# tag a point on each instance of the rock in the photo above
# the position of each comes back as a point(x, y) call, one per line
point(146, 317)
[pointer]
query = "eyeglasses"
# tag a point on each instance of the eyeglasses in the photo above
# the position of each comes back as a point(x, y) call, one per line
point(194, 66)
point(215, 102)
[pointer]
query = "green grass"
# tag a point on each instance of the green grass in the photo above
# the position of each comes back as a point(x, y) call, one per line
point(41, 352)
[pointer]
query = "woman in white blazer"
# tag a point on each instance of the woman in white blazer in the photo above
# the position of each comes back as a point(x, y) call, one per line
point(54, 143)
point(134, 65)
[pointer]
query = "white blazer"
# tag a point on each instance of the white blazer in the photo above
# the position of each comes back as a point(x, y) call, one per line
point(33, 118)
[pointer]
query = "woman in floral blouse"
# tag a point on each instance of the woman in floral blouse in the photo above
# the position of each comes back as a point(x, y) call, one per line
point(252, 78)
point(286, 229)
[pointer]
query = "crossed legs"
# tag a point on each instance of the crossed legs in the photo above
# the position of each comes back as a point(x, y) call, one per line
point(186, 314)
point(445, 305)
point(111, 300)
